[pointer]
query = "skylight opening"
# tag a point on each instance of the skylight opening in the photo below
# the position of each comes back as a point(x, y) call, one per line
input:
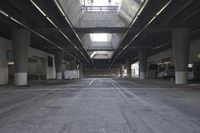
point(100, 5)
point(100, 37)
point(101, 54)
point(100, 2)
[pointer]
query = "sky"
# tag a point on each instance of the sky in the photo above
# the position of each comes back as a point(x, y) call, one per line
point(102, 2)
point(100, 37)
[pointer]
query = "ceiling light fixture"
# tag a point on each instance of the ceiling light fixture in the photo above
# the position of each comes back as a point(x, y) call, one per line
point(36, 33)
point(41, 11)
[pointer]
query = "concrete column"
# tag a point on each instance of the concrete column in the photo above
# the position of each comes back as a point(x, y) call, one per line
point(181, 40)
point(58, 63)
point(143, 63)
point(72, 65)
point(80, 71)
point(128, 68)
point(21, 42)
point(121, 72)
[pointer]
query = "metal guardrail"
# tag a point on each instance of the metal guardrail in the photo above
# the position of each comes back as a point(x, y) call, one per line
point(100, 8)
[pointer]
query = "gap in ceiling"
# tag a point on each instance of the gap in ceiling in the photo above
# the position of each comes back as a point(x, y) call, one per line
point(100, 2)
point(100, 37)
point(101, 54)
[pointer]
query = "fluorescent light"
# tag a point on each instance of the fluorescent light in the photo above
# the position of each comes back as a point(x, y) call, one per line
point(23, 25)
point(37, 7)
point(58, 5)
point(3, 13)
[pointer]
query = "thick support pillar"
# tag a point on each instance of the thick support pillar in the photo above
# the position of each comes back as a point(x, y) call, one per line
point(58, 63)
point(142, 63)
point(128, 68)
point(20, 41)
point(80, 71)
point(72, 65)
point(121, 71)
point(181, 40)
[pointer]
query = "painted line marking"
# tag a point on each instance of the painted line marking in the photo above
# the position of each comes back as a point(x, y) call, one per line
point(91, 82)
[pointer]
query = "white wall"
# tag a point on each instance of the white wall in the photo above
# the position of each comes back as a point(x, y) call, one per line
point(6, 44)
point(194, 51)
point(50, 71)
point(135, 69)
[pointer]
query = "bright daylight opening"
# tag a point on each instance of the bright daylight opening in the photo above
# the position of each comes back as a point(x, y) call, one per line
point(101, 54)
point(100, 2)
point(100, 37)
point(100, 5)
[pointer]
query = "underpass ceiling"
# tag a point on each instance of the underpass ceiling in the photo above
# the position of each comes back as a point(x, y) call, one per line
point(101, 19)
point(91, 44)
point(128, 9)
point(31, 15)
point(114, 23)
point(101, 54)
point(73, 10)
point(152, 29)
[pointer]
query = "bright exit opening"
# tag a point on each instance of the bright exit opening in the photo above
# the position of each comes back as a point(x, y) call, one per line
point(100, 37)
point(100, 2)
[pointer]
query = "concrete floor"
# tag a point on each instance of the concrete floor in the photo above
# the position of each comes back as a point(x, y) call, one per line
point(100, 106)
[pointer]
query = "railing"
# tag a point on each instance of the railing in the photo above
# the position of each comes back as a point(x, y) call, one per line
point(100, 8)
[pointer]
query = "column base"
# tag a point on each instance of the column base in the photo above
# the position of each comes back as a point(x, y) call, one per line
point(181, 77)
point(59, 76)
point(120, 76)
point(128, 76)
point(142, 75)
point(20, 78)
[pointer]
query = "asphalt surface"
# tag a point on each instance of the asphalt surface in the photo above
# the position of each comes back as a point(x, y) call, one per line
point(99, 106)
